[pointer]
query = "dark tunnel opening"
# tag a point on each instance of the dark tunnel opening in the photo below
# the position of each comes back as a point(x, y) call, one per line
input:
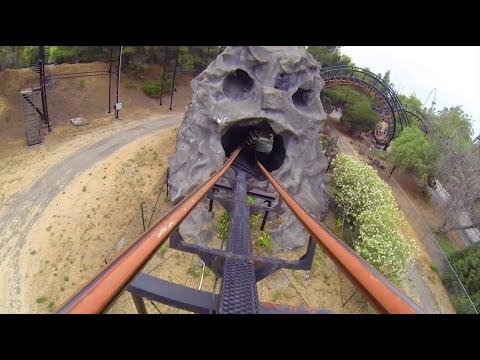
point(245, 134)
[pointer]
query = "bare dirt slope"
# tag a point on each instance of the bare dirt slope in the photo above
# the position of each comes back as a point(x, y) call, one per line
point(28, 206)
point(81, 97)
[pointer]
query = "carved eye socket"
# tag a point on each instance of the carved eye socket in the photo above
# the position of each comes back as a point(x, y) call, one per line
point(282, 81)
point(303, 98)
point(238, 85)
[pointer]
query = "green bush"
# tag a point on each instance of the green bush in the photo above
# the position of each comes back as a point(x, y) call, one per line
point(253, 220)
point(369, 203)
point(223, 222)
point(152, 89)
point(265, 241)
point(467, 265)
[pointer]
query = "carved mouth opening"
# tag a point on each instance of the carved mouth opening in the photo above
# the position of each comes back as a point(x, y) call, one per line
point(260, 142)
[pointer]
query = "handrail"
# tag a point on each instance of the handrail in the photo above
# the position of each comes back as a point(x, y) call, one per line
point(98, 294)
point(377, 289)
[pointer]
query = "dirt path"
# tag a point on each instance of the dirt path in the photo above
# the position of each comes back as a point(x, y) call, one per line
point(27, 206)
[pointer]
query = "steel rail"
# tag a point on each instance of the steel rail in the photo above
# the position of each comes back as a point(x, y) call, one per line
point(377, 289)
point(98, 294)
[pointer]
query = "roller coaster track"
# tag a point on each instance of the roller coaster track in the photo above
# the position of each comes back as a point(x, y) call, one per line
point(394, 111)
point(410, 110)
point(238, 268)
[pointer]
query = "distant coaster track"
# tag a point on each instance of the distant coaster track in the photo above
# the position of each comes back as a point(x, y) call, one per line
point(393, 109)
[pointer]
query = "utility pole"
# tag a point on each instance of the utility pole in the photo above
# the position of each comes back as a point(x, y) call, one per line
point(118, 104)
point(43, 88)
point(163, 75)
point(174, 74)
point(110, 83)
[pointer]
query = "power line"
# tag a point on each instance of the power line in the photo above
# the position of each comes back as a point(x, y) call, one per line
point(298, 292)
point(155, 306)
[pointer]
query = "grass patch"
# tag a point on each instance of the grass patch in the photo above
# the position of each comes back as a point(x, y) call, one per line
point(33, 252)
point(445, 244)
point(265, 241)
point(297, 276)
point(434, 268)
point(51, 306)
point(65, 278)
point(207, 271)
point(194, 271)
point(276, 295)
point(163, 250)
point(84, 188)
point(253, 220)
point(223, 222)
point(41, 299)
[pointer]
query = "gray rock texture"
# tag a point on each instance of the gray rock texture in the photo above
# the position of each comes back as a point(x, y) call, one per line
point(243, 86)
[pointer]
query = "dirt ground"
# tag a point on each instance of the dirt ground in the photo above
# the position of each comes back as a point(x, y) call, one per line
point(23, 169)
point(93, 219)
point(97, 214)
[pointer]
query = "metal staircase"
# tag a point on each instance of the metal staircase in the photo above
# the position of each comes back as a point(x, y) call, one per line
point(30, 118)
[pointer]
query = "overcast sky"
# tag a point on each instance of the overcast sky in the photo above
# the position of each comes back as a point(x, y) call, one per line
point(453, 70)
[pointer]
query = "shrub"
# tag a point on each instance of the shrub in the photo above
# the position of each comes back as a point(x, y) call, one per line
point(152, 89)
point(369, 203)
point(223, 222)
point(467, 265)
point(265, 241)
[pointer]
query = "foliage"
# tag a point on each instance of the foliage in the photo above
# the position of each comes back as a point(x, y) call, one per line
point(41, 299)
point(223, 222)
point(370, 205)
point(253, 220)
point(194, 271)
point(356, 107)
point(329, 55)
point(445, 244)
point(152, 89)
point(81, 54)
point(454, 126)
point(413, 150)
point(457, 166)
point(250, 200)
point(467, 265)
point(414, 102)
point(265, 241)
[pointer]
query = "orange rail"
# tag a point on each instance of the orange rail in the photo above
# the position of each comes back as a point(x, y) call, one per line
point(96, 296)
point(377, 289)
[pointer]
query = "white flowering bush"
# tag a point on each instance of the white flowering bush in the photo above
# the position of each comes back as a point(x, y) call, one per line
point(369, 203)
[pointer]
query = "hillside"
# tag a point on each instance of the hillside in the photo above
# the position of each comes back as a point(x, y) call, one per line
point(86, 97)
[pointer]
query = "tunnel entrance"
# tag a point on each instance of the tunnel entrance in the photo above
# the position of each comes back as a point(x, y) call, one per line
point(247, 134)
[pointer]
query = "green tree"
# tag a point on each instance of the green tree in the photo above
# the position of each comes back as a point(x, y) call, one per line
point(467, 265)
point(360, 116)
point(414, 151)
point(413, 101)
point(457, 166)
point(386, 77)
point(356, 107)
point(329, 55)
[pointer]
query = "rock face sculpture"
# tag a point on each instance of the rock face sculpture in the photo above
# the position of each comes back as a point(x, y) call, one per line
point(272, 88)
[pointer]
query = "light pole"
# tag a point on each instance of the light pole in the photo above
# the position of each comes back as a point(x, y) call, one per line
point(118, 104)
